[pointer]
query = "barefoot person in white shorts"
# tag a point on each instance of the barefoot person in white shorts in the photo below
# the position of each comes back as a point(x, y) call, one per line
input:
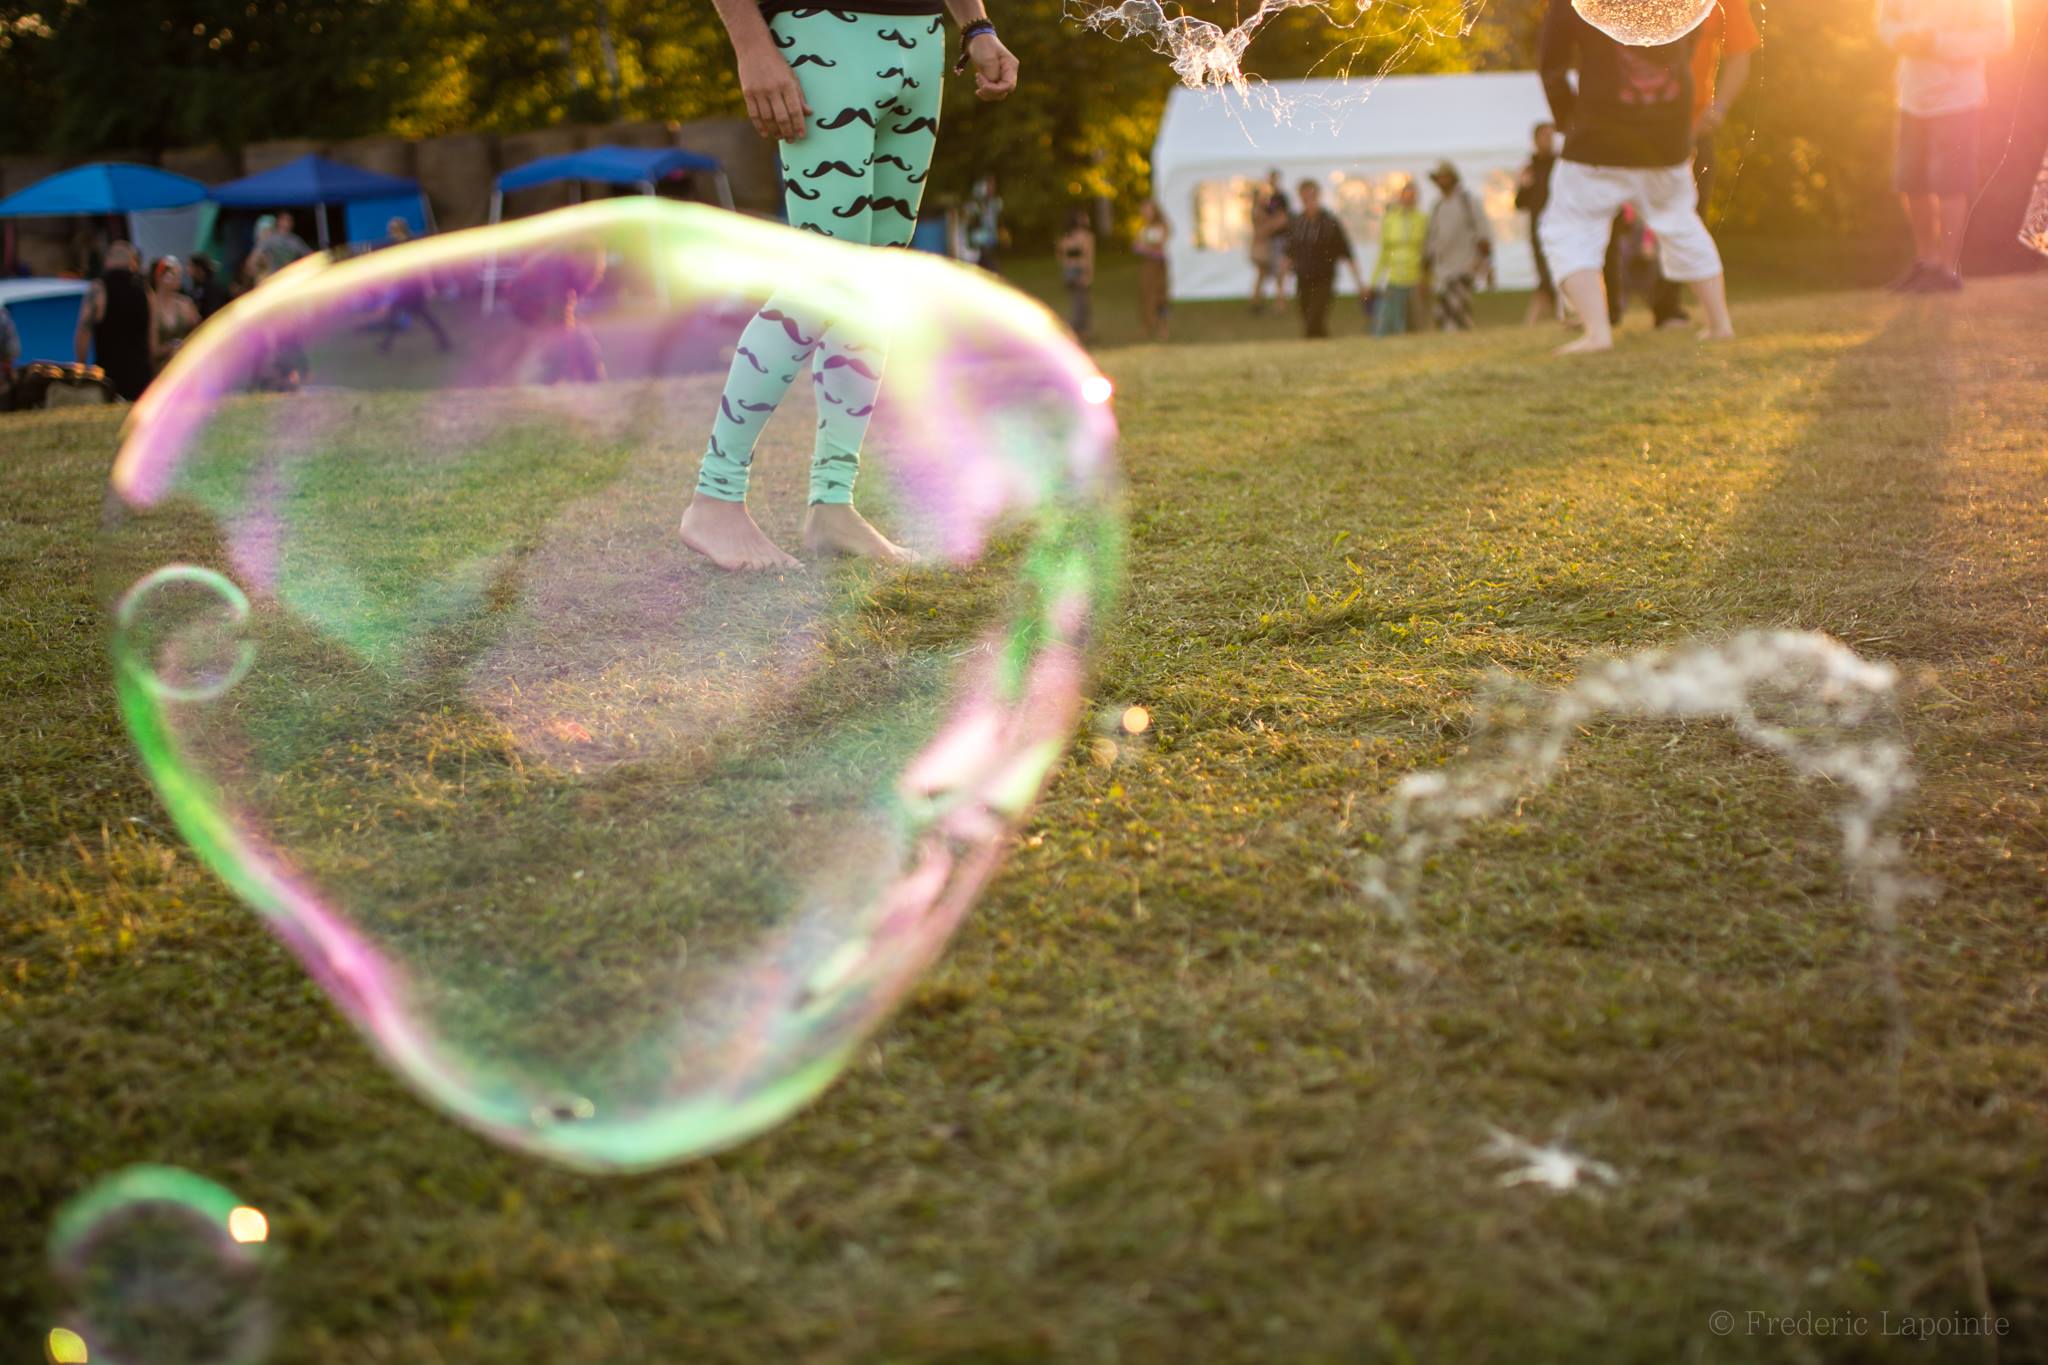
point(1628, 139)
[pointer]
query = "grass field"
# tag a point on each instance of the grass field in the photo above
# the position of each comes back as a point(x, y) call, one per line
point(1175, 1093)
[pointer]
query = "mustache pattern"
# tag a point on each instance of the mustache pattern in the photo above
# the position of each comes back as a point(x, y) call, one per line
point(847, 362)
point(846, 116)
point(917, 125)
point(788, 325)
point(890, 35)
point(810, 59)
point(843, 16)
point(892, 71)
point(823, 167)
point(799, 191)
point(752, 359)
point(778, 40)
point(891, 159)
point(745, 406)
point(862, 411)
point(865, 204)
point(918, 179)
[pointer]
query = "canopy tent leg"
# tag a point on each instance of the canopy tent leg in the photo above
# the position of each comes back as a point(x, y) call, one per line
point(491, 270)
point(724, 191)
point(320, 216)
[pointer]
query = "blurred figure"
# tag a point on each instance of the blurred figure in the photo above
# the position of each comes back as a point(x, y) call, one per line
point(546, 295)
point(1722, 46)
point(1316, 241)
point(173, 315)
point(115, 322)
point(277, 246)
point(985, 226)
point(1076, 250)
point(1628, 139)
point(1532, 192)
point(10, 350)
point(1942, 92)
point(1271, 214)
point(409, 300)
point(209, 291)
point(1631, 266)
point(1458, 248)
point(1403, 230)
point(1154, 236)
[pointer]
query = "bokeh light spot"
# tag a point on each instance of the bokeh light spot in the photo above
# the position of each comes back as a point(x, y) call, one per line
point(1136, 720)
point(248, 1225)
point(1096, 388)
point(66, 1347)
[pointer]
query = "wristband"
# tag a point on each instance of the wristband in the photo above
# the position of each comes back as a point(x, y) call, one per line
point(968, 35)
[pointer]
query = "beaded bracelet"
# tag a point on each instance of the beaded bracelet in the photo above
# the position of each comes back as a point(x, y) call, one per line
point(968, 35)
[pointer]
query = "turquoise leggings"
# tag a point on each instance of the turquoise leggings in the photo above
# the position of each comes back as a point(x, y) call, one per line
point(857, 173)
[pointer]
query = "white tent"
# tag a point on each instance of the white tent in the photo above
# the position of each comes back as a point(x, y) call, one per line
point(1362, 140)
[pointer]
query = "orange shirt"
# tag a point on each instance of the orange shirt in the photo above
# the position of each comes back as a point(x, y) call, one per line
point(1728, 28)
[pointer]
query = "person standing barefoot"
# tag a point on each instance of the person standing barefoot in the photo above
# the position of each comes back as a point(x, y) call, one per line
point(1627, 139)
point(852, 95)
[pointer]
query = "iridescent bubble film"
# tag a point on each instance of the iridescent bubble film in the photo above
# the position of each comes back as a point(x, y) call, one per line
point(613, 853)
point(1645, 23)
point(159, 1266)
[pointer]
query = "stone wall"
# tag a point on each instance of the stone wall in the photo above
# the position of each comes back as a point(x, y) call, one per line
point(457, 171)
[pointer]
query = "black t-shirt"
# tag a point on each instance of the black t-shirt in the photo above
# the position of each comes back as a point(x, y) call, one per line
point(1316, 242)
point(1633, 105)
point(120, 340)
point(1534, 195)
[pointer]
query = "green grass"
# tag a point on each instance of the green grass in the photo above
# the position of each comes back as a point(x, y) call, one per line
point(1174, 1093)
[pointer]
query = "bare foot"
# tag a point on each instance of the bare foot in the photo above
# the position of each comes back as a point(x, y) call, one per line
point(1585, 345)
point(725, 533)
point(1717, 334)
point(832, 528)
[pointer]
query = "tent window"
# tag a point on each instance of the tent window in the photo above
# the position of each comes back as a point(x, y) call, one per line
point(1223, 213)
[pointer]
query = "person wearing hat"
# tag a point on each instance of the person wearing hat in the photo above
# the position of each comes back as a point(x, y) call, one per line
point(1458, 249)
point(1628, 138)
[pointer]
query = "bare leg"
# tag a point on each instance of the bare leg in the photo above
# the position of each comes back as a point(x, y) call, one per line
point(725, 533)
point(834, 528)
point(1923, 216)
point(1713, 297)
point(1954, 211)
point(1588, 293)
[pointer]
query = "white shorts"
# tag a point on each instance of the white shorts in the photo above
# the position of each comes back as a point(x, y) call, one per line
point(1579, 218)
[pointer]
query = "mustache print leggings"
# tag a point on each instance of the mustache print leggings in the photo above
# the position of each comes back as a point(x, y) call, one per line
point(857, 173)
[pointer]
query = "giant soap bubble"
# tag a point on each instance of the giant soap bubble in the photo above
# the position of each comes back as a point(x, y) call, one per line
point(614, 855)
point(1645, 23)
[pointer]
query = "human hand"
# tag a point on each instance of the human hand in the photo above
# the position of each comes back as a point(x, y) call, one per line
point(995, 67)
point(775, 99)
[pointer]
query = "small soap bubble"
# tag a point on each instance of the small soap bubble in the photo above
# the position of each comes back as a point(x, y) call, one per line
point(158, 1267)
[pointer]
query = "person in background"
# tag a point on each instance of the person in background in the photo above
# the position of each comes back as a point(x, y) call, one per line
point(1403, 230)
point(1941, 45)
point(1631, 267)
point(1316, 241)
point(1076, 249)
point(985, 225)
point(115, 322)
point(1459, 248)
point(1532, 192)
point(277, 246)
point(1722, 46)
point(10, 349)
point(1627, 139)
point(209, 292)
point(1154, 235)
point(1271, 213)
point(173, 315)
point(408, 300)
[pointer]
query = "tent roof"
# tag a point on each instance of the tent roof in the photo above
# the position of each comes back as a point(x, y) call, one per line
point(607, 165)
point(47, 287)
point(309, 180)
point(1410, 117)
point(103, 187)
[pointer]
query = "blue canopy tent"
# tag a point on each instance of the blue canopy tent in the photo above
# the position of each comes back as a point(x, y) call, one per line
point(317, 181)
point(45, 314)
point(102, 188)
point(164, 211)
point(640, 167)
